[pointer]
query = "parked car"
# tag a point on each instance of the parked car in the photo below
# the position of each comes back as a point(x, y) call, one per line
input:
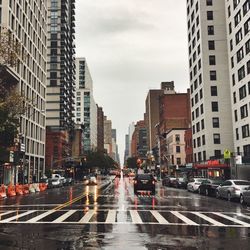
point(144, 182)
point(245, 196)
point(54, 182)
point(231, 189)
point(90, 180)
point(58, 176)
point(180, 182)
point(209, 186)
point(168, 181)
point(194, 184)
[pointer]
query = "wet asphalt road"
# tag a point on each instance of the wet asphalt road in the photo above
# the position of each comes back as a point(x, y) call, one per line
point(110, 216)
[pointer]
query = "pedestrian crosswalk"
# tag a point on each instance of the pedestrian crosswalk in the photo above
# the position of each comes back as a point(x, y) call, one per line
point(113, 216)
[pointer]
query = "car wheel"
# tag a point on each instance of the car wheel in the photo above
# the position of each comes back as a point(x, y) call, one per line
point(242, 202)
point(217, 194)
point(229, 197)
point(206, 192)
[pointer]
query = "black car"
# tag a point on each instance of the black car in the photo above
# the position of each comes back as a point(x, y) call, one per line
point(180, 182)
point(144, 182)
point(168, 181)
point(208, 186)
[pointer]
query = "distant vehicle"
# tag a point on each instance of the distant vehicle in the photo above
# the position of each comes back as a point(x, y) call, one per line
point(90, 180)
point(144, 182)
point(193, 184)
point(209, 186)
point(69, 181)
point(232, 189)
point(245, 196)
point(58, 176)
point(168, 181)
point(180, 182)
point(54, 182)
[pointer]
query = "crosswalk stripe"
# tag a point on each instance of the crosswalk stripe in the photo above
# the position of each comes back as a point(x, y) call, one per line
point(111, 217)
point(232, 219)
point(5, 213)
point(87, 216)
point(17, 216)
point(212, 221)
point(135, 217)
point(159, 217)
point(41, 216)
point(64, 216)
point(184, 218)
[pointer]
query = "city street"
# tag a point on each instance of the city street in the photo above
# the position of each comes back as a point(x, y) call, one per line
point(109, 216)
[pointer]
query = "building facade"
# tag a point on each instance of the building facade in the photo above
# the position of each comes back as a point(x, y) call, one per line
point(238, 30)
point(209, 79)
point(100, 129)
point(27, 25)
point(60, 81)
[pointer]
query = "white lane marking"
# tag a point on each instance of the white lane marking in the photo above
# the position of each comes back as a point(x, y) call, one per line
point(17, 216)
point(159, 217)
point(212, 221)
point(135, 217)
point(111, 217)
point(242, 215)
point(86, 218)
point(64, 216)
point(5, 213)
point(184, 218)
point(41, 216)
point(232, 219)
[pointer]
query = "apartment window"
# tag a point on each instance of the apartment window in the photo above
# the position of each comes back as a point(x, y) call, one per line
point(198, 35)
point(216, 122)
point(210, 30)
point(234, 97)
point(210, 15)
point(195, 84)
point(194, 56)
point(240, 54)
point(203, 140)
point(248, 67)
point(247, 46)
point(242, 92)
point(211, 45)
point(198, 49)
point(235, 115)
point(248, 88)
point(246, 7)
point(53, 75)
point(229, 11)
point(213, 76)
point(238, 36)
point(209, 2)
point(237, 134)
point(243, 111)
point(236, 2)
point(198, 127)
point(201, 94)
point(192, 115)
point(199, 64)
point(196, 7)
point(216, 138)
point(196, 99)
point(192, 101)
point(178, 161)
point(232, 62)
point(202, 124)
point(217, 153)
point(215, 107)
point(193, 129)
point(197, 20)
point(212, 60)
point(193, 43)
point(200, 79)
point(245, 131)
point(241, 73)
point(201, 109)
point(237, 18)
point(230, 28)
point(195, 71)
point(197, 112)
point(178, 149)
point(247, 26)
point(198, 142)
point(177, 138)
point(233, 79)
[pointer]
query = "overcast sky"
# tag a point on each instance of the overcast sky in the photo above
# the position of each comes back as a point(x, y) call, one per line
point(131, 46)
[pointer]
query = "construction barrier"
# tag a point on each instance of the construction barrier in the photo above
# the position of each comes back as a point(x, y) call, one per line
point(11, 191)
point(32, 188)
point(19, 189)
point(26, 189)
point(43, 186)
point(2, 192)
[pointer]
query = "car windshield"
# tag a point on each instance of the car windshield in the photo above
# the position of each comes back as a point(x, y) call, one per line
point(144, 177)
point(242, 183)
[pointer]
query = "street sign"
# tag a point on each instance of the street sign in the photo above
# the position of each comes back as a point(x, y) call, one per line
point(22, 147)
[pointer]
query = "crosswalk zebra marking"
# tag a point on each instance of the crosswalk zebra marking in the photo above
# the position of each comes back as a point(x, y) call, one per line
point(6, 213)
point(64, 216)
point(208, 219)
point(232, 219)
point(159, 217)
point(184, 218)
point(17, 216)
point(41, 216)
point(136, 219)
point(111, 217)
point(86, 218)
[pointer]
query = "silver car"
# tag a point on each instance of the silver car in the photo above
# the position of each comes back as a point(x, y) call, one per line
point(245, 196)
point(231, 189)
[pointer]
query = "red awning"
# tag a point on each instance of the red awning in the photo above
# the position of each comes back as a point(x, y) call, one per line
point(210, 166)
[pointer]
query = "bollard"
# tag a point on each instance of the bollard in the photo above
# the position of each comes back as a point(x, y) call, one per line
point(19, 189)
point(26, 189)
point(2, 192)
point(11, 191)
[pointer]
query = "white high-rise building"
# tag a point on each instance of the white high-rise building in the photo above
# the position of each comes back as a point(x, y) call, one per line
point(27, 23)
point(85, 106)
point(238, 30)
point(209, 79)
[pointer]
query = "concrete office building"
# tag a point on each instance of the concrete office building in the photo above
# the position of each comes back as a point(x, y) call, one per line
point(60, 81)
point(209, 79)
point(238, 31)
point(85, 106)
point(27, 23)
